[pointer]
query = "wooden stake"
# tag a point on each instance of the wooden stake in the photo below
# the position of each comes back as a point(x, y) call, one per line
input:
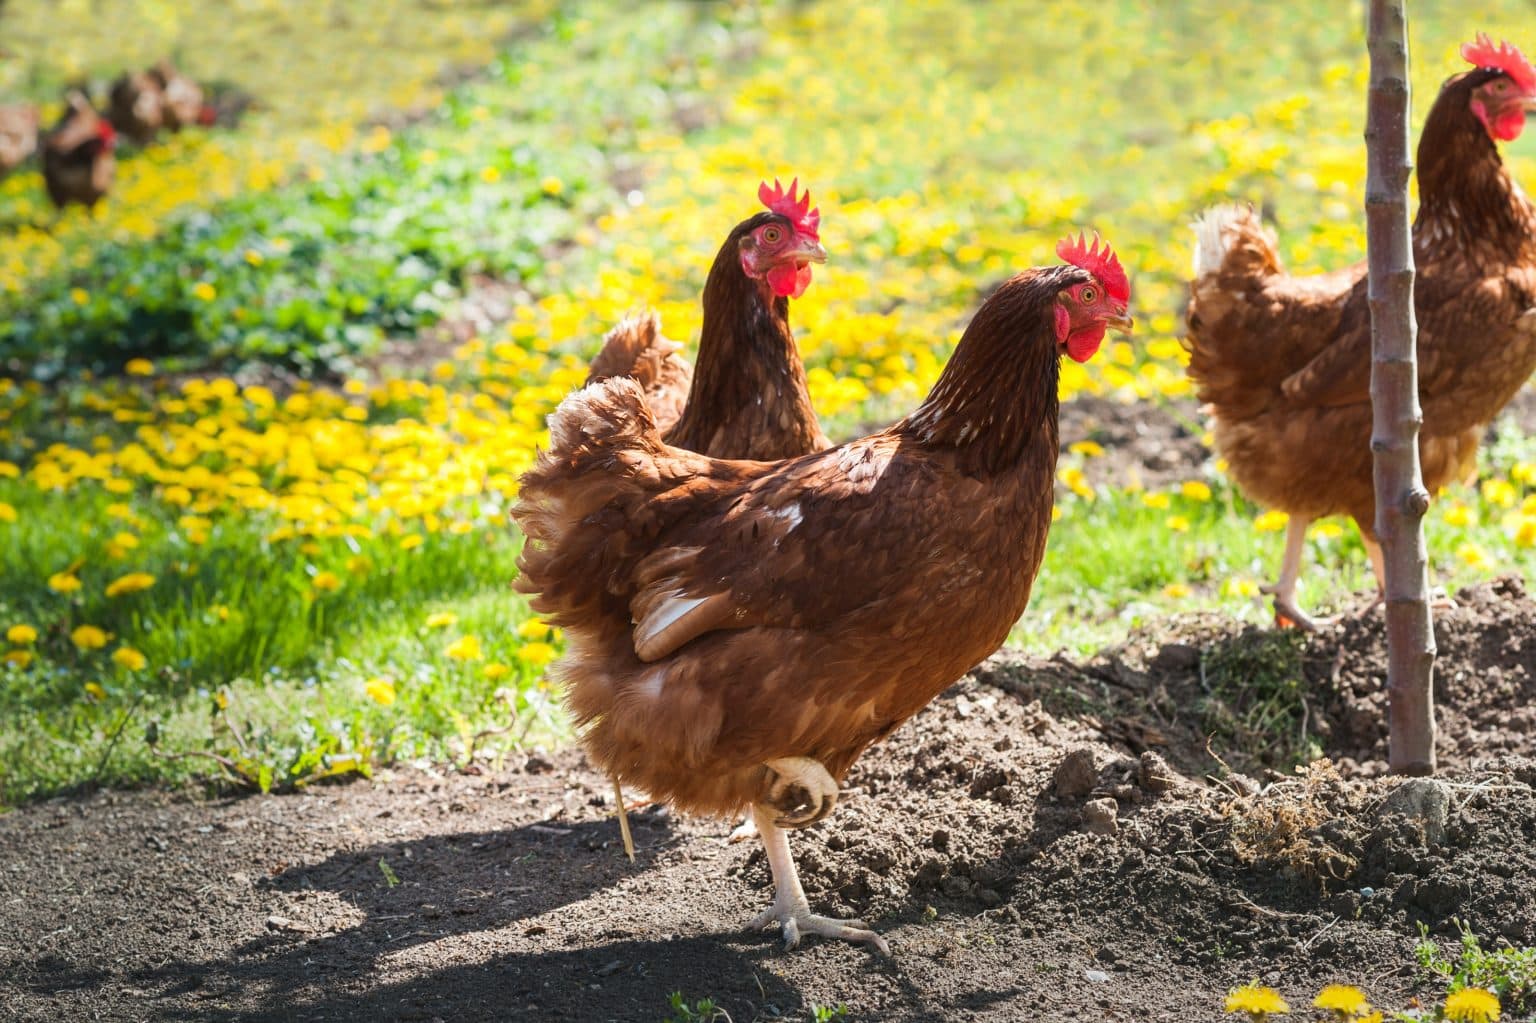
point(1401, 499)
point(618, 800)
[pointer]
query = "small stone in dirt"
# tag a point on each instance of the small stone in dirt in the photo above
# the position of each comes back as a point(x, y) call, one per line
point(1426, 800)
point(1100, 815)
point(536, 764)
point(1077, 774)
point(282, 923)
point(1154, 774)
point(939, 840)
point(1096, 976)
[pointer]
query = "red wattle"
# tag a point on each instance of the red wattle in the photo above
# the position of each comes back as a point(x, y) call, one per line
point(1082, 345)
point(788, 280)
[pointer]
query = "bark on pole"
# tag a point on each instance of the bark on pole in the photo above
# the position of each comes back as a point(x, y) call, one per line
point(1401, 499)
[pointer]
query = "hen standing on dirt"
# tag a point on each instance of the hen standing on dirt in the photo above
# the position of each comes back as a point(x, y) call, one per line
point(747, 398)
point(1284, 362)
point(739, 632)
point(78, 160)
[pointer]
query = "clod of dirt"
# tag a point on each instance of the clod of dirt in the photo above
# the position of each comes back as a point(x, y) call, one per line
point(1101, 816)
point(1154, 775)
point(1077, 774)
point(1423, 800)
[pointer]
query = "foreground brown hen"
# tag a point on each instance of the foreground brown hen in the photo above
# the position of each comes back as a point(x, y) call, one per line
point(747, 398)
point(1284, 363)
point(78, 155)
point(739, 632)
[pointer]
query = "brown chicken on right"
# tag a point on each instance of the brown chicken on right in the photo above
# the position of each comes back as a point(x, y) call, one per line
point(1284, 363)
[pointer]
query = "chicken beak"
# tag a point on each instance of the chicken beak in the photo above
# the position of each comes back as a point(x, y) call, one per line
point(1121, 322)
point(807, 250)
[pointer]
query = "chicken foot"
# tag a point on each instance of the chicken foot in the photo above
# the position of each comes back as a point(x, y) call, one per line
point(1284, 589)
point(789, 909)
point(799, 782)
point(802, 791)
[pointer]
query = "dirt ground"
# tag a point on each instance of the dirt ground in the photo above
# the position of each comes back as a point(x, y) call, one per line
point(966, 838)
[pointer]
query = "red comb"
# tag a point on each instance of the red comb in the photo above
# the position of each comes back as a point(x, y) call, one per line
point(1102, 263)
point(1505, 57)
point(806, 220)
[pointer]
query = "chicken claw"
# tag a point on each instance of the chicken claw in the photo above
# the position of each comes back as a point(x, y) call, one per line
point(803, 792)
point(790, 910)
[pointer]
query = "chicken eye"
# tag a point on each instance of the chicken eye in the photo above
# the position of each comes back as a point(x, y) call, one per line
point(773, 235)
point(1087, 295)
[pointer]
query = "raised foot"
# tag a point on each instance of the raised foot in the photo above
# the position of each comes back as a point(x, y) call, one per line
point(745, 830)
point(797, 921)
point(1289, 616)
point(802, 791)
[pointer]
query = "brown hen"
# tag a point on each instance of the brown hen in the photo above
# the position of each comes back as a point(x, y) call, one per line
point(747, 397)
point(1284, 363)
point(739, 632)
point(78, 155)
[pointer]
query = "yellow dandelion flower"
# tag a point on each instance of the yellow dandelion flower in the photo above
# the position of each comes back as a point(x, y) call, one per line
point(1239, 587)
point(465, 648)
point(139, 368)
point(9, 470)
point(535, 628)
point(552, 185)
point(359, 564)
point(1195, 490)
point(1271, 521)
point(410, 543)
point(1525, 532)
point(326, 582)
point(204, 292)
point(1256, 1001)
point(1157, 501)
point(1474, 556)
point(126, 541)
point(128, 657)
point(95, 691)
point(17, 658)
point(441, 619)
point(1177, 523)
point(21, 635)
point(1472, 1005)
point(1459, 514)
point(89, 637)
point(536, 654)
point(495, 671)
point(380, 690)
point(490, 175)
point(133, 582)
point(1328, 531)
point(7, 513)
point(1343, 999)
point(1499, 493)
point(1175, 590)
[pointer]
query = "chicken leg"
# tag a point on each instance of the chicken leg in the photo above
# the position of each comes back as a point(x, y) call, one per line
point(1284, 588)
point(790, 910)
